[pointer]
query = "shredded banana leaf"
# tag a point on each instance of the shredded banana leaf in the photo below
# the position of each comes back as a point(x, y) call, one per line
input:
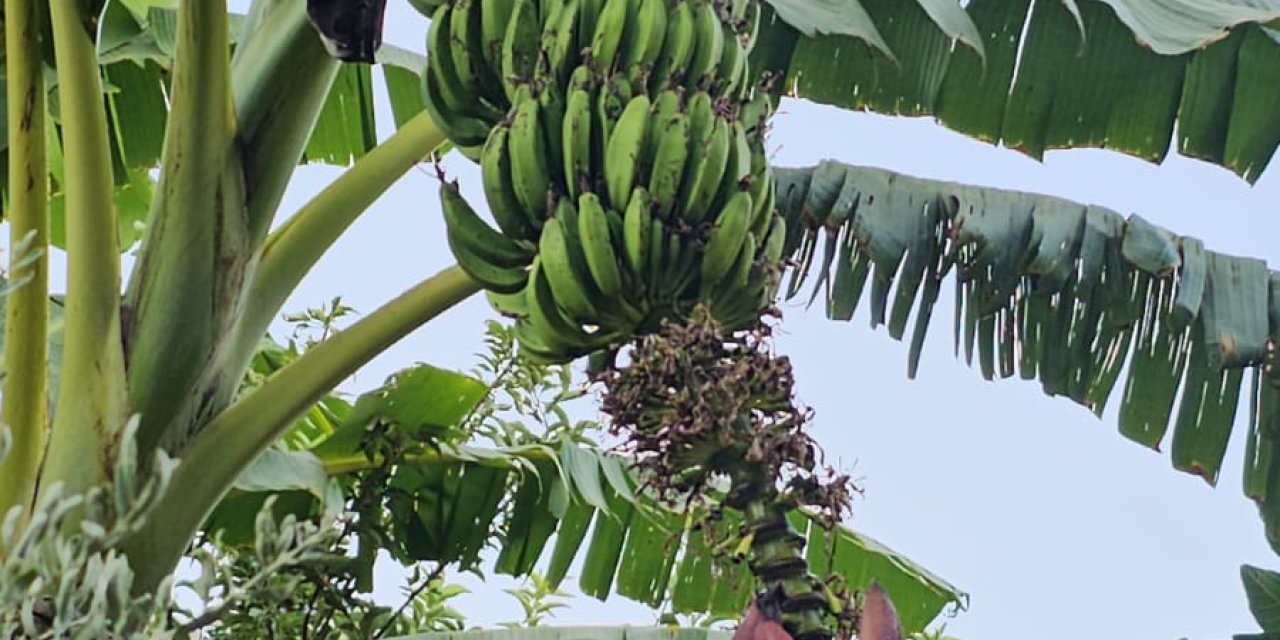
point(1058, 291)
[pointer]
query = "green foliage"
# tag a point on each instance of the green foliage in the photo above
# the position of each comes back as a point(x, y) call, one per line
point(1049, 75)
point(64, 579)
point(301, 586)
point(1059, 291)
point(538, 598)
point(522, 392)
point(1263, 589)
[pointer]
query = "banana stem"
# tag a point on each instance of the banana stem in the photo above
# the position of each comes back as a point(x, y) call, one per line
point(234, 438)
point(778, 560)
point(281, 74)
point(186, 284)
point(91, 402)
point(25, 405)
point(290, 251)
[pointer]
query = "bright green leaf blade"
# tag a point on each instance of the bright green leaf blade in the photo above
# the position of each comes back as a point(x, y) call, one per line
point(583, 467)
point(1071, 75)
point(1263, 590)
point(600, 565)
point(425, 397)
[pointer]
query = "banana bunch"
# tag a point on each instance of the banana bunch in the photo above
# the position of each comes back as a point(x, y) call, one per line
point(481, 52)
point(622, 155)
point(617, 211)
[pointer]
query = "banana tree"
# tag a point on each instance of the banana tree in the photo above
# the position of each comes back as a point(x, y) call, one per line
point(224, 107)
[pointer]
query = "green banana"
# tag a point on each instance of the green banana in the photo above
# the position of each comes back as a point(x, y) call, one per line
point(726, 237)
point(533, 348)
point(520, 47)
point(494, 17)
point(529, 174)
point(656, 266)
point(566, 283)
point(464, 40)
point(702, 118)
point(476, 245)
point(751, 29)
point(644, 40)
point(709, 35)
point(545, 318)
point(669, 163)
point(597, 245)
point(576, 141)
point(705, 170)
point(470, 152)
point(740, 273)
point(775, 242)
point(755, 111)
point(548, 10)
point(495, 172)
point(608, 34)
point(588, 18)
point(475, 235)
point(666, 104)
point(678, 251)
point(560, 40)
point(764, 196)
point(738, 165)
point(677, 48)
point(511, 305)
point(609, 105)
point(551, 111)
point(622, 151)
point(731, 69)
point(637, 225)
point(583, 77)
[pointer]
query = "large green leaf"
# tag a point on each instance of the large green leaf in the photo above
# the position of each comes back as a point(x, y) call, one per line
point(428, 400)
point(1061, 292)
point(639, 549)
point(1115, 74)
point(447, 505)
point(296, 479)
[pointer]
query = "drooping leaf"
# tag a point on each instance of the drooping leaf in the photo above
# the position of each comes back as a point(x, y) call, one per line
point(1060, 292)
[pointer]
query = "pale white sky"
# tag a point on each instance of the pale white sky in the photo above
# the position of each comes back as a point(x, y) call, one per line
point(1056, 526)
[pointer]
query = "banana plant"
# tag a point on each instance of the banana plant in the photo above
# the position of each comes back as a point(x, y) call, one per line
point(102, 95)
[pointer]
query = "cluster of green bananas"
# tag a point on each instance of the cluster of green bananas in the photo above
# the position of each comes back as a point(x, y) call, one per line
point(677, 210)
point(481, 52)
point(628, 187)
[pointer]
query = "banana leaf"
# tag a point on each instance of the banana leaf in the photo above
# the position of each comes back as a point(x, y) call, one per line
point(1069, 294)
point(1113, 74)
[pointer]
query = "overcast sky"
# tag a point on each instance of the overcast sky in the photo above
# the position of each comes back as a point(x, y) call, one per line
point(1057, 527)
